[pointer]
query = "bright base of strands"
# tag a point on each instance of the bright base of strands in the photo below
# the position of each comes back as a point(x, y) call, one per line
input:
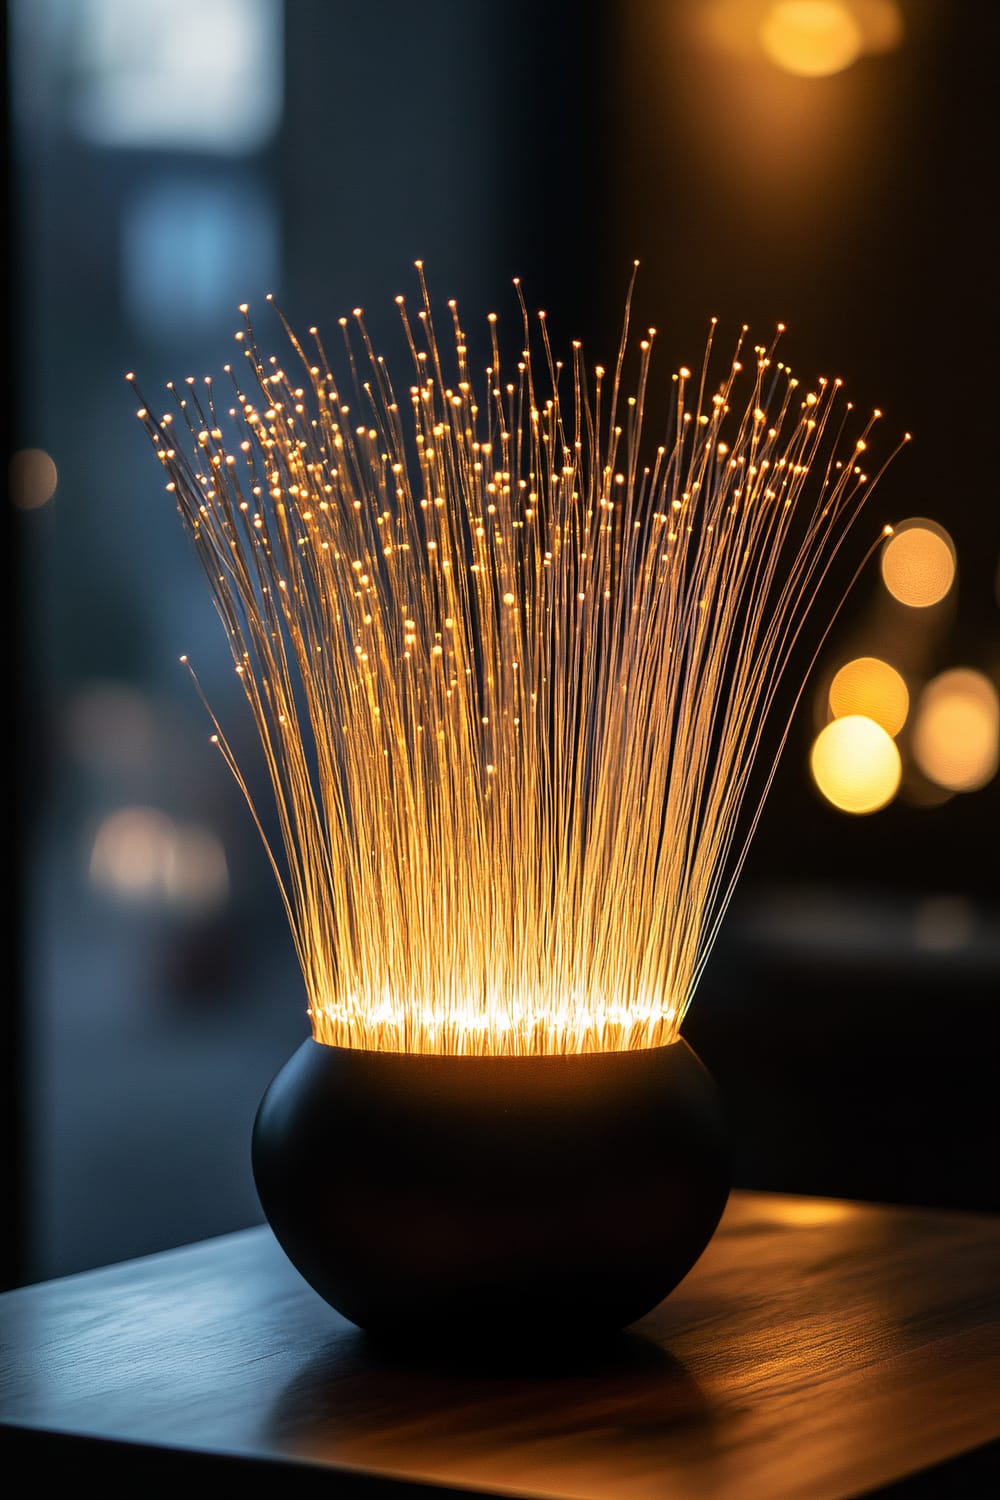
point(513, 651)
point(507, 1028)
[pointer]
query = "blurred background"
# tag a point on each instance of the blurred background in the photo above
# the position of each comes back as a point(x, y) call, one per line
point(829, 164)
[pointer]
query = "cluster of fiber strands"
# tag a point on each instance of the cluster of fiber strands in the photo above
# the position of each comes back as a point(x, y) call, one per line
point(513, 650)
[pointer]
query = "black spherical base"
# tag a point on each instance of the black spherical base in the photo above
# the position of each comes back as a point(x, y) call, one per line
point(506, 1197)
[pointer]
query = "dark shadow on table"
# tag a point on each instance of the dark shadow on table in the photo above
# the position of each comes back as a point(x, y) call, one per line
point(439, 1413)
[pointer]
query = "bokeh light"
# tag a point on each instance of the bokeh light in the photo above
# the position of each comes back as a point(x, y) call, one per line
point(956, 732)
point(32, 478)
point(800, 37)
point(811, 38)
point(855, 764)
point(918, 563)
point(141, 855)
point(870, 687)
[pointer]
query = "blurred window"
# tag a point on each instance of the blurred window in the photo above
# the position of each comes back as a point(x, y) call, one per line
point(176, 75)
point(187, 242)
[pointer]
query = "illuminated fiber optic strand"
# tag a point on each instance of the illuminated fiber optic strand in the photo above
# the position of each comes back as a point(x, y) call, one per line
point(511, 672)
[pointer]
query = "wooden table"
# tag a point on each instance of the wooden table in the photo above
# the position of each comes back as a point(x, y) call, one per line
point(819, 1349)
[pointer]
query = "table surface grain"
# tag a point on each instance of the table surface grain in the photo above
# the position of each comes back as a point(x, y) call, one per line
point(819, 1349)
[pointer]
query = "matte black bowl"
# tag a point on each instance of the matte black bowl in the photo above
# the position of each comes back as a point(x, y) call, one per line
point(510, 1196)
